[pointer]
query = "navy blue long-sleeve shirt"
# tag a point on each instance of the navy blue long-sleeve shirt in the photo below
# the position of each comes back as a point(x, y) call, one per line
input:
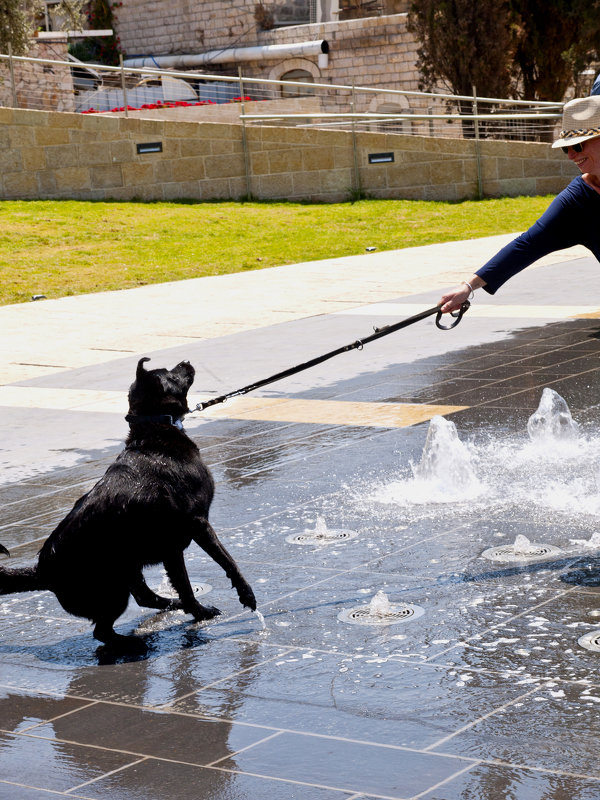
point(572, 218)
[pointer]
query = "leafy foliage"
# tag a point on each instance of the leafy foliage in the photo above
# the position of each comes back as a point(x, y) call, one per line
point(553, 41)
point(506, 48)
point(463, 44)
point(15, 27)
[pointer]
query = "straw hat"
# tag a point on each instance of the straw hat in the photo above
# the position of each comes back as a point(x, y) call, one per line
point(581, 121)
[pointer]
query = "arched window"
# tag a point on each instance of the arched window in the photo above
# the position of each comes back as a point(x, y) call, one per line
point(298, 76)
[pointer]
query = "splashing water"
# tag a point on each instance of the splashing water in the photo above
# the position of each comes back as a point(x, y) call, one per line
point(321, 531)
point(445, 457)
point(593, 543)
point(261, 619)
point(445, 473)
point(380, 605)
point(553, 471)
point(522, 546)
point(553, 419)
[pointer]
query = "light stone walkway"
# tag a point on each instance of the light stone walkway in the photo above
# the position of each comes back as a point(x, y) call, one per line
point(50, 336)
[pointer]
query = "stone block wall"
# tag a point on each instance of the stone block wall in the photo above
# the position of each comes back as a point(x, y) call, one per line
point(49, 155)
point(374, 51)
point(40, 86)
point(153, 27)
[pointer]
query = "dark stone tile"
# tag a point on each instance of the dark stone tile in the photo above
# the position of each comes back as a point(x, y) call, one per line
point(23, 539)
point(47, 507)
point(491, 417)
point(486, 781)
point(170, 736)
point(556, 361)
point(163, 780)
point(443, 392)
point(53, 765)
point(498, 393)
point(356, 696)
point(347, 766)
point(14, 791)
point(554, 724)
point(538, 642)
point(20, 711)
point(454, 611)
point(580, 391)
point(482, 362)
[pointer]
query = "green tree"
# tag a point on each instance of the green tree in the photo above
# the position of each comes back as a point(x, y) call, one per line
point(463, 44)
point(553, 42)
point(15, 27)
point(535, 49)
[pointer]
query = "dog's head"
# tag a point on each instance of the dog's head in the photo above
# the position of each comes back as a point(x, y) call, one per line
point(161, 391)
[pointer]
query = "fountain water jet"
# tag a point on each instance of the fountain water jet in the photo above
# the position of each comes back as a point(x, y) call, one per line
point(521, 550)
point(321, 535)
point(445, 473)
point(379, 611)
point(553, 419)
point(444, 456)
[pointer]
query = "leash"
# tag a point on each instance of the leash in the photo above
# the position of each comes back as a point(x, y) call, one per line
point(357, 345)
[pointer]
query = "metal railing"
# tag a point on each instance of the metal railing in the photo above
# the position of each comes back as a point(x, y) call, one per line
point(57, 85)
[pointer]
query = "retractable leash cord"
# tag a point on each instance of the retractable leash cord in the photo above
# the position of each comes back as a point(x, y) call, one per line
point(357, 345)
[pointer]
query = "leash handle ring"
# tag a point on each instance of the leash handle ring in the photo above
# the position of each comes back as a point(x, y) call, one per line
point(458, 315)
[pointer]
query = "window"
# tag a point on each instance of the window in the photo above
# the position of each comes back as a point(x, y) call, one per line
point(300, 76)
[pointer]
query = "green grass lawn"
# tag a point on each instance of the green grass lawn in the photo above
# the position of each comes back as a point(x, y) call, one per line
point(59, 248)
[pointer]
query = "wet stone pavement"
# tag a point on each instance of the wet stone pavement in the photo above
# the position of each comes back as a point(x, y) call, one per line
point(478, 688)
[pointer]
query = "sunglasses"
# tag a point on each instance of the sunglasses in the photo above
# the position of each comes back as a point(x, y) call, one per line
point(577, 147)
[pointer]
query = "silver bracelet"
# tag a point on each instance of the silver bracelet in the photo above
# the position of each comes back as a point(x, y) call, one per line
point(472, 295)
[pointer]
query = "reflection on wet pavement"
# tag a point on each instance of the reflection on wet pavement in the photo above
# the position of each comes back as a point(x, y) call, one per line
point(487, 696)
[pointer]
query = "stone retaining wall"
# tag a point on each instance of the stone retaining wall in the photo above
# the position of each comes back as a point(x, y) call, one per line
point(85, 156)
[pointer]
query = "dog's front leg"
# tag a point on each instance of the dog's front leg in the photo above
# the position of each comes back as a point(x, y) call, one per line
point(175, 567)
point(205, 536)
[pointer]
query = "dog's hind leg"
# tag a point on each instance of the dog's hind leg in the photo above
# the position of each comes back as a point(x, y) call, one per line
point(205, 536)
point(175, 567)
point(105, 633)
point(144, 596)
point(104, 613)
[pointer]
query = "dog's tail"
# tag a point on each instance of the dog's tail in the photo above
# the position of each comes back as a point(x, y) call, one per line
point(18, 580)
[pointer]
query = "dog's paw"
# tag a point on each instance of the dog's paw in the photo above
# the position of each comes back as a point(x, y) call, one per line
point(4, 550)
point(201, 613)
point(247, 598)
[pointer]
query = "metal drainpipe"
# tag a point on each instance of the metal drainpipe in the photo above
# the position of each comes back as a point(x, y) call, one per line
point(319, 47)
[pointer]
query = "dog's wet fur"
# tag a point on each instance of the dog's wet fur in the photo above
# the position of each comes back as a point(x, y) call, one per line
point(146, 509)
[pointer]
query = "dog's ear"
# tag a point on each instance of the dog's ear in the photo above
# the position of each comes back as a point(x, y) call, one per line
point(140, 372)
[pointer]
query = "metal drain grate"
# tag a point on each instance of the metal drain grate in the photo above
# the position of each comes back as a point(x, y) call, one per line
point(330, 537)
point(362, 616)
point(534, 552)
point(591, 641)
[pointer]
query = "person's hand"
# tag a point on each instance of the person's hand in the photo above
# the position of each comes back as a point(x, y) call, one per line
point(453, 300)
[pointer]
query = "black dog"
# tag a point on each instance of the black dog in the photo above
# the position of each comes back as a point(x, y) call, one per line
point(150, 504)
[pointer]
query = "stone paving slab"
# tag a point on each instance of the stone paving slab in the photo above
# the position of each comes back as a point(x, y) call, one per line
point(487, 694)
